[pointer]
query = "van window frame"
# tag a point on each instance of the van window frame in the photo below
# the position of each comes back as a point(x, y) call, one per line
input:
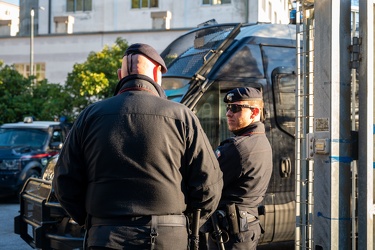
point(283, 85)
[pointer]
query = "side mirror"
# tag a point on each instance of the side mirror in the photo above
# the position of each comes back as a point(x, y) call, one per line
point(56, 145)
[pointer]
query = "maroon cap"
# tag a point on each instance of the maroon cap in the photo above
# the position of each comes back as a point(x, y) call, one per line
point(147, 51)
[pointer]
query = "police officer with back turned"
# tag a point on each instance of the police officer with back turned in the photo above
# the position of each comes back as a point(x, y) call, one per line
point(246, 162)
point(135, 164)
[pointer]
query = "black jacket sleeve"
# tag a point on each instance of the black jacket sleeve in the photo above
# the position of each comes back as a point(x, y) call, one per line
point(69, 181)
point(204, 174)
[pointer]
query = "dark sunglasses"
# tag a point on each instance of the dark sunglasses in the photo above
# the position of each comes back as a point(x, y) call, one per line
point(238, 107)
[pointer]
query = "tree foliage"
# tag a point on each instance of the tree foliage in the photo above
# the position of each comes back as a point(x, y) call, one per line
point(50, 101)
point(96, 78)
point(14, 94)
point(91, 81)
point(20, 97)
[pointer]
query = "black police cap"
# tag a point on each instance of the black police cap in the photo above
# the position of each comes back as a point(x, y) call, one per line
point(243, 94)
point(147, 51)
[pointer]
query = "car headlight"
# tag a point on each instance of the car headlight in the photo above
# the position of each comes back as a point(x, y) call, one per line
point(10, 164)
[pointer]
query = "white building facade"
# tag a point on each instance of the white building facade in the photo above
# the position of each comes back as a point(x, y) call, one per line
point(9, 19)
point(66, 31)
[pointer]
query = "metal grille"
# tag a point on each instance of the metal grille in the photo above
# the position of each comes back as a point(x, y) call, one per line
point(304, 125)
point(34, 194)
point(38, 189)
point(191, 58)
point(33, 211)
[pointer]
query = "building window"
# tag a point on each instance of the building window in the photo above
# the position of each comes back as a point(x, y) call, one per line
point(39, 70)
point(78, 5)
point(138, 4)
point(215, 2)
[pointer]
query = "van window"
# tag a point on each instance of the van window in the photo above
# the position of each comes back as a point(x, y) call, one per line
point(211, 111)
point(246, 63)
point(284, 93)
point(278, 56)
point(208, 113)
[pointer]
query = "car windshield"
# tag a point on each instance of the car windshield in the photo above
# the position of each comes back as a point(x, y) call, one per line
point(175, 87)
point(23, 137)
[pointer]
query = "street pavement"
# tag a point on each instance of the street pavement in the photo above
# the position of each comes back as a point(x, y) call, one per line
point(9, 208)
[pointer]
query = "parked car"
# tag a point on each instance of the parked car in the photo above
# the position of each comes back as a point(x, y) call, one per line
point(25, 148)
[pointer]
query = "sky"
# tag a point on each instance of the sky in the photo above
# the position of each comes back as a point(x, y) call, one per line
point(16, 2)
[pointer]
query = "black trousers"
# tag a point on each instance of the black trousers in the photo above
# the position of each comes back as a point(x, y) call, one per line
point(139, 235)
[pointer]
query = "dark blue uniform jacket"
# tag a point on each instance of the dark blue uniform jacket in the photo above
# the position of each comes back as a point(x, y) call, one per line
point(246, 162)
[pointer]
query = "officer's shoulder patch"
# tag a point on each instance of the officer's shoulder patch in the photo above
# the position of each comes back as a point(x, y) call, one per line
point(217, 153)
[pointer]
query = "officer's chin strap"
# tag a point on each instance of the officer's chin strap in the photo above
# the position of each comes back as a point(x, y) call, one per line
point(154, 230)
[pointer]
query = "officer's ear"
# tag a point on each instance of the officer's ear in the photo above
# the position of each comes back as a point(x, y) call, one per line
point(119, 74)
point(254, 112)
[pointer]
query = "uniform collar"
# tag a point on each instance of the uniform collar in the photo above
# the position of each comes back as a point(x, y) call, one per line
point(139, 82)
point(253, 128)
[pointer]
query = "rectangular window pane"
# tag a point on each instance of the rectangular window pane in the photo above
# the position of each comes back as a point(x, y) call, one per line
point(284, 87)
point(154, 3)
point(23, 68)
point(135, 4)
point(79, 5)
point(40, 71)
point(226, 1)
point(70, 5)
point(144, 3)
point(88, 5)
point(206, 2)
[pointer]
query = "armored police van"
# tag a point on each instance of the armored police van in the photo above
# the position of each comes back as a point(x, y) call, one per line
point(203, 65)
point(209, 61)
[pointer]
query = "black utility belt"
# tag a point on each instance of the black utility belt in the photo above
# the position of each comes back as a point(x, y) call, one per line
point(161, 220)
point(236, 220)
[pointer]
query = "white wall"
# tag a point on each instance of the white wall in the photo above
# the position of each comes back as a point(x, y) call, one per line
point(60, 52)
point(10, 12)
point(110, 19)
point(117, 15)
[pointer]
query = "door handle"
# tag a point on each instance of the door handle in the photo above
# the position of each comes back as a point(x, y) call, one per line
point(285, 167)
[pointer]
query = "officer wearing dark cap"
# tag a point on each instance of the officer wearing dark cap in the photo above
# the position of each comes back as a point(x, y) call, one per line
point(135, 164)
point(246, 162)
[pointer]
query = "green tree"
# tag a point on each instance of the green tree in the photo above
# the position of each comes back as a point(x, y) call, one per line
point(96, 78)
point(15, 94)
point(51, 101)
point(20, 97)
point(91, 81)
